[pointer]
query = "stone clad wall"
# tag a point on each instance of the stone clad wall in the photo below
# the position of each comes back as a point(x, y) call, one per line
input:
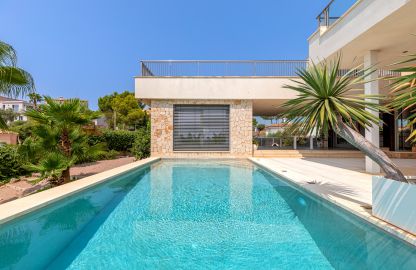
point(241, 114)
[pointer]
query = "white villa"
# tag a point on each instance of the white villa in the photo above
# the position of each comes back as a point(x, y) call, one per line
point(17, 105)
point(205, 108)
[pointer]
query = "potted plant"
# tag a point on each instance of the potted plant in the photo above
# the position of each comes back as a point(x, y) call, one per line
point(325, 102)
point(391, 199)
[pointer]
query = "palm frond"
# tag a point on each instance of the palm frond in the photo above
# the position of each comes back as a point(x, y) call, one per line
point(7, 55)
point(324, 98)
point(404, 92)
point(14, 81)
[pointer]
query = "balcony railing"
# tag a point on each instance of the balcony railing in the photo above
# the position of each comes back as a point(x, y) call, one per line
point(234, 68)
point(221, 68)
point(333, 11)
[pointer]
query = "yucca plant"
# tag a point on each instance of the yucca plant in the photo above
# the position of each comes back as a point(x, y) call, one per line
point(14, 81)
point(327, 100)
point(404, 92)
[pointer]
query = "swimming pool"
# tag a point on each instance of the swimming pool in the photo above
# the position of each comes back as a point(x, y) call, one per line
point(182, 214)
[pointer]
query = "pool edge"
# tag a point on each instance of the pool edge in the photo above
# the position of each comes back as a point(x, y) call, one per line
point(19, 207)
point(367, 217)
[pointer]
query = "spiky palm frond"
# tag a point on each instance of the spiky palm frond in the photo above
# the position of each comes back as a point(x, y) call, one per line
point(14, 81)
point(404, 91)
point(325, 97)
point(52, 166)
point(62, 115)
point(81, 150)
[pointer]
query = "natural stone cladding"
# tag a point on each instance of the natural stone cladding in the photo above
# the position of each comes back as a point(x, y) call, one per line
point(241, 114)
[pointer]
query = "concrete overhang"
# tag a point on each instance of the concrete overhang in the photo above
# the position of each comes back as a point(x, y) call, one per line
point(267, 93)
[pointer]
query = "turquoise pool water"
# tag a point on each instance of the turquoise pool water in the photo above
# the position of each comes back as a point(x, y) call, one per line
point(197, 215)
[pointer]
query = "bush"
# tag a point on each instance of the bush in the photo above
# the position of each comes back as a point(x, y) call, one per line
point(119, 140)
point(141, 145)
point(110, 154)
point(24, 128)
point(94, 139)
point(11, 163)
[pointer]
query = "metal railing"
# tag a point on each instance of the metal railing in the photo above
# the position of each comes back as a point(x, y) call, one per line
point(333, 11)
point(287, 143)
point(237, 68)
point(221, 68)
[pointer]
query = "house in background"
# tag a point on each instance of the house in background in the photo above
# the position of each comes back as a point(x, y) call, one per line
point(205, 108)
point(16, 105)
point(62, 100)
point(275, 128)
point(100, 122)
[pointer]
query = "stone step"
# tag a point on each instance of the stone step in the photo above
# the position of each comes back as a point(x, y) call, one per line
point(308, 153)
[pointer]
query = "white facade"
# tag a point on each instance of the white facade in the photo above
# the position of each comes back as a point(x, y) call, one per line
point(274, 128)
point(371, 33)
point(18, 106)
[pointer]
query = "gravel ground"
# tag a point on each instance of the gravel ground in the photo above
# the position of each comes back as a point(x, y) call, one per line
point(18, 189)
point(84, 170)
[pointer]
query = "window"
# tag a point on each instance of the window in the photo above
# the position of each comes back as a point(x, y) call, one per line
point(15, 108)
point(201, 128)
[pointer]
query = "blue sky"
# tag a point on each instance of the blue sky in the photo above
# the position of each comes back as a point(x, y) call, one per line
point(90, 48)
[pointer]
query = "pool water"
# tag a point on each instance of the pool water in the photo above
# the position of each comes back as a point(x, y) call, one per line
point(198, 215)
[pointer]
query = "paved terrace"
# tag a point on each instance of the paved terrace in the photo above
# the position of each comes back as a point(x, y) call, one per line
point(340, 180)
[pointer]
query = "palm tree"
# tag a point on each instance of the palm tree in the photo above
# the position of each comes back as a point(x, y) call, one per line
point(60, 139)
point(404, 91)
point(14, 81)
point(35, 98)
point(325, 102)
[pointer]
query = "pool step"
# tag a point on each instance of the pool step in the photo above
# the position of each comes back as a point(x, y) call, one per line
point(308, 153)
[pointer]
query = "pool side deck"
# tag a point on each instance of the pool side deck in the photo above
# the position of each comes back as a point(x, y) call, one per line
point(19, 207)
point(340, 181)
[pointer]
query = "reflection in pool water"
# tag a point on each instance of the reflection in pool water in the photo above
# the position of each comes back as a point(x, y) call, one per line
point(197, 215)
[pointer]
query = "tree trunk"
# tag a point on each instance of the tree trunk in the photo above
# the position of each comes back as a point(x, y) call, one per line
point(373, 152)
point(66, 176)
point(66, 147)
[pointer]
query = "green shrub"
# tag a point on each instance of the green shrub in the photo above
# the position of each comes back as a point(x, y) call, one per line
point(94, 139)
point(141, 145)
point(119, 140)
point(110, 154)
point(11, 163)
point(24, 128)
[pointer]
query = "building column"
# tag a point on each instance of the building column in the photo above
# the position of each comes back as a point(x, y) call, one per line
point(295, 142)
point(372, 88)
point(311, 142)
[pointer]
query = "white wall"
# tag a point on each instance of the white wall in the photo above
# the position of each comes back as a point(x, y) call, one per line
point(229, 88)
point(360, 18)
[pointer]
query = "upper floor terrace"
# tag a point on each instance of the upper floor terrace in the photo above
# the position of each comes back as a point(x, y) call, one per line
point(261, 81)
point(355, 27)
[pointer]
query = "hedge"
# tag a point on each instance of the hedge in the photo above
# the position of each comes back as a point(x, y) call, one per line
point(141, 145)
point(10, 163)
point(119, 140)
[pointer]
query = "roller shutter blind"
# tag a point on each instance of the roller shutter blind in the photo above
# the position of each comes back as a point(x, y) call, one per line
point(201, 127)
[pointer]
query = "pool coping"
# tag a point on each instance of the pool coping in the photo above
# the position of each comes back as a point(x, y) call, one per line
point(351, 207)
point(19, 207)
